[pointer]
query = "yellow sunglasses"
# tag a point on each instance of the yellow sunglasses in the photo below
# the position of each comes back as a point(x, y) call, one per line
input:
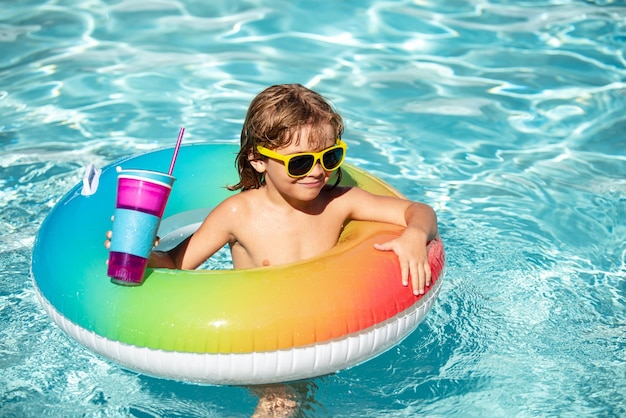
point(301, 164)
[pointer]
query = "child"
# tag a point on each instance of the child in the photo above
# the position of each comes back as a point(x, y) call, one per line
point(286, 211)
point(290, 146)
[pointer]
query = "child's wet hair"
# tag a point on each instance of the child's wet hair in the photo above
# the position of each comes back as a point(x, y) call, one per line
point(278, 116)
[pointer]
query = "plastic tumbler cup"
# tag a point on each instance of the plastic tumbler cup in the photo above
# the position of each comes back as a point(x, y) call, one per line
point(141, 199)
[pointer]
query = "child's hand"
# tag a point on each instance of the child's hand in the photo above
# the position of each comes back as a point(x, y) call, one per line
point(107, 241)
point(413, 257)
point(109, 234)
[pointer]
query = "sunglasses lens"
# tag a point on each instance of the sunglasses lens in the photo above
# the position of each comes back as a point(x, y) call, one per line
point(332, 158)
point(300, 165)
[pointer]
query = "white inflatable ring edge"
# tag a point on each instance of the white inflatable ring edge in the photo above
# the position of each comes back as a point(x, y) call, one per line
point(258, 367)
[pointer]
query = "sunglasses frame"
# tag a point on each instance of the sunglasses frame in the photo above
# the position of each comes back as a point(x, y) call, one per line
point(317, 156)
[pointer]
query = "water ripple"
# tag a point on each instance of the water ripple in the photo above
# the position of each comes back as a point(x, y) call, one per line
point(507, 118)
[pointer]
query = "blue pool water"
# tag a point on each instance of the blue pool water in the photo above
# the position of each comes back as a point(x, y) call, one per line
point(507, 117)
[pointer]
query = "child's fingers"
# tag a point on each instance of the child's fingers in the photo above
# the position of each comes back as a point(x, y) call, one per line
point(420, 278)
point(405, 272)
point(383, 247)
point(417, 273)
point(415, 278)
point(405, 269)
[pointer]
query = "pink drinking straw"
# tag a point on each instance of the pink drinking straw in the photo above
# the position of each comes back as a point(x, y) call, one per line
point(180, 139)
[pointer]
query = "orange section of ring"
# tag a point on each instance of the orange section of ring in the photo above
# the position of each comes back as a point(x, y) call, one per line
point(347, 291)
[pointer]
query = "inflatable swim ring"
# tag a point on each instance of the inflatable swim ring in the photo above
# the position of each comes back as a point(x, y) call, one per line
point(253, 326)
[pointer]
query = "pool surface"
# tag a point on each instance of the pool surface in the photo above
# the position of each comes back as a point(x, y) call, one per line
point(507, 117)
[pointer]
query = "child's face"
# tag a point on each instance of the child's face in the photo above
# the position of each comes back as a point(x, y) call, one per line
point(304, 188)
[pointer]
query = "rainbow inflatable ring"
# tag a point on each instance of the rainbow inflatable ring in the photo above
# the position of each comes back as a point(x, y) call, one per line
point(239, 327)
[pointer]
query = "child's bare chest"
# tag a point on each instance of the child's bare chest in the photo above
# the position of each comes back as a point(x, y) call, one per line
point(287, 239)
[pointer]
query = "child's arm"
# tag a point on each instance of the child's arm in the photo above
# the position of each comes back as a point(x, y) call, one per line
point(420, 221)
point(167, 259)
point(410, 247)
point(216, 230)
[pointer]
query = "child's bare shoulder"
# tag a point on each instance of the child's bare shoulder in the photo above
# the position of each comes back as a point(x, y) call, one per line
point(231, 214)
point(353, 200)
point(239, 203)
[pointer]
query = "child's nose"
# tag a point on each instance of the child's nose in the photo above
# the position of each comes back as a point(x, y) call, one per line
point(317, 169)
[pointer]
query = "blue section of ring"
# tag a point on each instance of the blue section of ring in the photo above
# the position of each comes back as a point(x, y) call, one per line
point(134, 232)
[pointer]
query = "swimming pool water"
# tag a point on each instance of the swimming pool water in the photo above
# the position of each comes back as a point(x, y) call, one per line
point(507, 117)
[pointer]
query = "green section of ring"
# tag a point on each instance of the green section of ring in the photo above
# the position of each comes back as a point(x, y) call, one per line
point(168, 310)
point(69, 257)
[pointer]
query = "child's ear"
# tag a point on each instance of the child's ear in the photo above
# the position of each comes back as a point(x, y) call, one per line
point(256, 163)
